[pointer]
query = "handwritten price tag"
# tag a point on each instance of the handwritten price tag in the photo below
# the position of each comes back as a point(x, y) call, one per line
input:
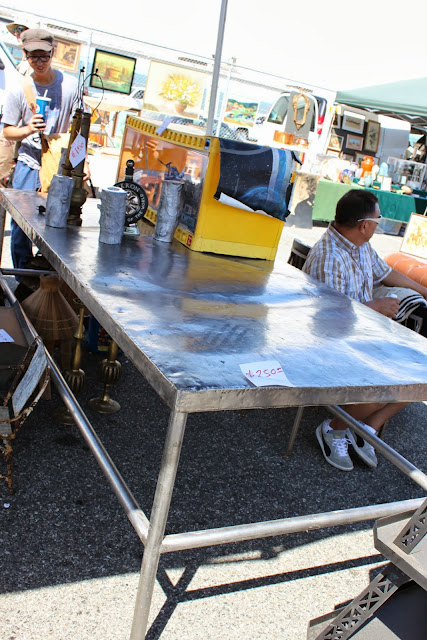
point(78, 150)
point(5, 337)
point(268, 373)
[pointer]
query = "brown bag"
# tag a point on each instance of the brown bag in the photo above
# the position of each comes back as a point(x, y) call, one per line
point(52, 144)
point(7, 154)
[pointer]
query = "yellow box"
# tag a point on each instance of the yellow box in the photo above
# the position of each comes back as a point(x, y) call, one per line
point(205, 224)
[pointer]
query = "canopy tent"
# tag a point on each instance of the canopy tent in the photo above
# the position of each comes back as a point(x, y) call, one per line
point(406, 99)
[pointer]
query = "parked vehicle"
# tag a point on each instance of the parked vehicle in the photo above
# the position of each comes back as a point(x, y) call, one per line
point(273, 126)
point(8, 73)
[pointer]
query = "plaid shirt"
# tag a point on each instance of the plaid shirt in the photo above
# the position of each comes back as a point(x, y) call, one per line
point(345, 267)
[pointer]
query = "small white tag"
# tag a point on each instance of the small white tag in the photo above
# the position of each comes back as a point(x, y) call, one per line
point(268, 373)
point(78, 150)
point(5, 337)
point(166, 122)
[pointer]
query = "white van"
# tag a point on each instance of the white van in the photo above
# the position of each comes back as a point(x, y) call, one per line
point(269, 132)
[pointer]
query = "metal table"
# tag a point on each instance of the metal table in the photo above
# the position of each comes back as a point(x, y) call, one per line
point(188, 320)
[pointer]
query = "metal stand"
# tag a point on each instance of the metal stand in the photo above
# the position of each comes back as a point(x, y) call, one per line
point(74, 377)
point(110, 372)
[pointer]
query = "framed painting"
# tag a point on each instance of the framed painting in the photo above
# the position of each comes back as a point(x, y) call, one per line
point(353, 122)
point(354, 142)
point(336, 142)
point(415, 239)
point(372, 136)
point(114, 71)
point(337, 120)
point(175, 89)
point(66, 55)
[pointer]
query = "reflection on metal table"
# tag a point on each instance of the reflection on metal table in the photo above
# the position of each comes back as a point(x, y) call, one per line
point(188, 320)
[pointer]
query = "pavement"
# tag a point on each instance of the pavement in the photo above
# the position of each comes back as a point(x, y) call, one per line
point(70, 560)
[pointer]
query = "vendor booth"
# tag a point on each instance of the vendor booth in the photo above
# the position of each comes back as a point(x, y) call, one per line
point(393, 206)
point(368, 152)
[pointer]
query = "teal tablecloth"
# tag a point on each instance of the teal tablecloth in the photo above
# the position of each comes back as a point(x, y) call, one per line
point(392, 205)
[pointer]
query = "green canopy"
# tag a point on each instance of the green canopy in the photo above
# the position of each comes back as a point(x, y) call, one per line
point(406, 97)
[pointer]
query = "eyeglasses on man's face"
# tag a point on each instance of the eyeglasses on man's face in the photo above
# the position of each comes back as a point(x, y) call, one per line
point(376, 220)
point(35, 59)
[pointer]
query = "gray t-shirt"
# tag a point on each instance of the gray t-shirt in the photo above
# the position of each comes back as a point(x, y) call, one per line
point(63, 94)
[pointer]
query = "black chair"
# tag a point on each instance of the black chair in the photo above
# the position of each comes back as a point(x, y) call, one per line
point(299, 253)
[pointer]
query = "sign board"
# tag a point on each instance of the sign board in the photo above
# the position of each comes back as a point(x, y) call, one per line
point(415, 238)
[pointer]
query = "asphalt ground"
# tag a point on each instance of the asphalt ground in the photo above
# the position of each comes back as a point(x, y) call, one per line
point(70, 560)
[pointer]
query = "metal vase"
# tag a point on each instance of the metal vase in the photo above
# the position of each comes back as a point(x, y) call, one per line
point(112, 219)
point(168, 211)
point(58, 201)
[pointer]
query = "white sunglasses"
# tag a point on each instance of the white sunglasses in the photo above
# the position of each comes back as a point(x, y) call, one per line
point(376, 220)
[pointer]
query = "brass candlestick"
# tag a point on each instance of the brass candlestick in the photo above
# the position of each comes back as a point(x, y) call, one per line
point(76, 122)
point(79, 195)
point(75, 376)
point(110, 371)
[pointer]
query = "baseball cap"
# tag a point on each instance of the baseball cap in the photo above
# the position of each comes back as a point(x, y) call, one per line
point(37, 40)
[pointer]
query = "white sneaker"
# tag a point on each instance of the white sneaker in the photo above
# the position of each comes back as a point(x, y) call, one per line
point(334, 445)
point(364, 450)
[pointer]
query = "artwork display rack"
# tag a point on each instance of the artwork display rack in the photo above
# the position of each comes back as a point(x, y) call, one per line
point(399, 589)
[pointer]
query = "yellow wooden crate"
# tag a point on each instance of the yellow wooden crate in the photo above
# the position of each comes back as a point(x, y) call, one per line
point(219, 228)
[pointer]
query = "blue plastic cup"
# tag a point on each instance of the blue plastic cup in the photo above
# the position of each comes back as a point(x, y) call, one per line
point(42, 106)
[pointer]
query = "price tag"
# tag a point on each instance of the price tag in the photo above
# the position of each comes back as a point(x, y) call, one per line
point(268, 373)
point(166, 122)
point(78, 150)
point(5, 337)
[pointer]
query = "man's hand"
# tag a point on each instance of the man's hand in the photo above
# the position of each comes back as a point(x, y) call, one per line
point(17, 134)
point(37, 124)
point(387, 306)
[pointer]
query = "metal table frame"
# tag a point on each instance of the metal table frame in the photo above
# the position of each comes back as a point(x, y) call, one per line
point(187, 398)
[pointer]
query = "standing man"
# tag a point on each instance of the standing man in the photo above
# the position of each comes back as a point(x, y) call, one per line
point(344, 259)
point(22, 124)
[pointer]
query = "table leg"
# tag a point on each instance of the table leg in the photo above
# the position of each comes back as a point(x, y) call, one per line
point(2, 224)
point(158, 520)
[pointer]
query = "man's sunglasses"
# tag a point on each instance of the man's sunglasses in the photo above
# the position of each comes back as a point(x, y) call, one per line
point(39, 58)
point(376, 220)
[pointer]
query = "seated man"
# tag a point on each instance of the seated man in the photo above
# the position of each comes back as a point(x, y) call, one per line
point(344, 259)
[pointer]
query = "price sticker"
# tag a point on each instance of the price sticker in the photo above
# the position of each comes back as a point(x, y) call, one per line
point(78, 150)
point(268, 373)
point(5, 337)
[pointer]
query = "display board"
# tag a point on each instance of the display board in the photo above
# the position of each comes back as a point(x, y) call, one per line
point(415, 238)
point(174, 89)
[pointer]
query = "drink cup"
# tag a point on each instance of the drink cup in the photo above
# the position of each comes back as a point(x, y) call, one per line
point(42, 106)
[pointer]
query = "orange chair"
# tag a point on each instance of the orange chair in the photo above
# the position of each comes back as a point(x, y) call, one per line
point(409, 266)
